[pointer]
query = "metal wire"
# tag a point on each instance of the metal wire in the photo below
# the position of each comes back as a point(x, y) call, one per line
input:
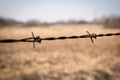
point(38, 39)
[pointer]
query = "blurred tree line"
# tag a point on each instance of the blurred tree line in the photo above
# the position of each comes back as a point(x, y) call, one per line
point(8, 22)
point(109, 22)
point(112, 22)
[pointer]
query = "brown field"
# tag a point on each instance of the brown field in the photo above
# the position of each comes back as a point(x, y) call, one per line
point(74, 59)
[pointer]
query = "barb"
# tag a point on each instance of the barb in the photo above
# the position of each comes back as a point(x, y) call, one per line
point(38, 39)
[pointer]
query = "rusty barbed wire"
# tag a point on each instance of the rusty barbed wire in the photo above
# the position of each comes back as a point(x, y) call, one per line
point(39, 39)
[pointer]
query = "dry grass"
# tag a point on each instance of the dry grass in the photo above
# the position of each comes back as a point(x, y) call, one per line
point(77, 59)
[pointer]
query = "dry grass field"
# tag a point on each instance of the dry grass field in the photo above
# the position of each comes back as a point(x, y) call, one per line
point(71, 59)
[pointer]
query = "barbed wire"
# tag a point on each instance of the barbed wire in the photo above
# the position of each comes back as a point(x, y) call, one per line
point(39, 39)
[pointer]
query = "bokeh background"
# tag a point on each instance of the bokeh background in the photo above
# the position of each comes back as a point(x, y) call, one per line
point(74, 59)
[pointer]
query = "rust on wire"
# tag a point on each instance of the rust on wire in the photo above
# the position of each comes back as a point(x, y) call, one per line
point(38, 39)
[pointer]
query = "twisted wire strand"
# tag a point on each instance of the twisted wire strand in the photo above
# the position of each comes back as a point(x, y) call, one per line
point(38, 39)
point(82, 36)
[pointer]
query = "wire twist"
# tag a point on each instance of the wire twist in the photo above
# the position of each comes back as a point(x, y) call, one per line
point(39, 40)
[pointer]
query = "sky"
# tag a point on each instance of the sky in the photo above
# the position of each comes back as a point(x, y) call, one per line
point(58, 10)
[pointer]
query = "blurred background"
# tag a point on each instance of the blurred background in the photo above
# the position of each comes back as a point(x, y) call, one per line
point(75, 59)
